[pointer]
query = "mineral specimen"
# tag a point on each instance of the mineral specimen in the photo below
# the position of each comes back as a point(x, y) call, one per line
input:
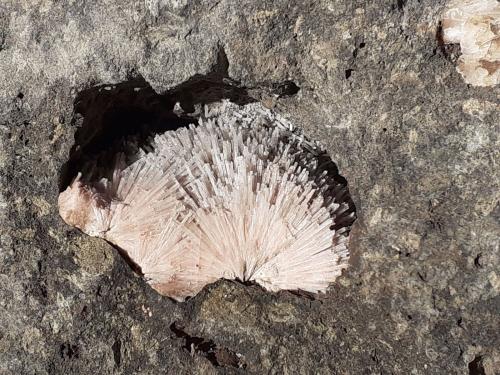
point(235, 197)
point(475, 25)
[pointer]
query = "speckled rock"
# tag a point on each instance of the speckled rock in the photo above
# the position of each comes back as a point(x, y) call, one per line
point(370, 80)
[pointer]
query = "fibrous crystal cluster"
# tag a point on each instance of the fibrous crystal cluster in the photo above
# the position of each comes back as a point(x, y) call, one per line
point(475, 25)
point(234, 197)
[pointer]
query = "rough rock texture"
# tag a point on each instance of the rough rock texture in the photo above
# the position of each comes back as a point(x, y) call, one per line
point(371, 80)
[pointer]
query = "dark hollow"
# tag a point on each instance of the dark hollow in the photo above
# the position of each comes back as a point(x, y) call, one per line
point(108, 116)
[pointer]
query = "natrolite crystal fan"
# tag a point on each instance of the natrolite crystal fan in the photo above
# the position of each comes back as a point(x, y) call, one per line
point(234, 197)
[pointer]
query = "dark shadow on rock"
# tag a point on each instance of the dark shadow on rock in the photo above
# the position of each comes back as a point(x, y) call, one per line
point(110, 118)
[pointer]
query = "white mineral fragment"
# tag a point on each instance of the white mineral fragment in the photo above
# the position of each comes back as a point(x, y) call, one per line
point(475, 25)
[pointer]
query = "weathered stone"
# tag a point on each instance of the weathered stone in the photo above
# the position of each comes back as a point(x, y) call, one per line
point(418, 147)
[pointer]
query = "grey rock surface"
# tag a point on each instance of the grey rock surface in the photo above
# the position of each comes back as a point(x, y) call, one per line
point(370, 80)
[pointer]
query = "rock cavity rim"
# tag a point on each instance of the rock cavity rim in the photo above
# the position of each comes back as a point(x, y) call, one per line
point(241, 196)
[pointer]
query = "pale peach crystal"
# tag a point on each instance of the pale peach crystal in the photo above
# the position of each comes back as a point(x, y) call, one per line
point(225, 199)
point(475, 25)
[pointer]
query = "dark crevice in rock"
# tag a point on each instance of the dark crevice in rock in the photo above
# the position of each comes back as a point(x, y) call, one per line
point(477, 261)
point(358, 47)
point(451, 52)
point(476, 366)
point(68, 351)
point(2, 41)
point(117, 356)
point(3, 28)
point(398, 5)
point(218, 356)
point(303, 294)
point(201, 90)
point(222, 65)
point(286, 89)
